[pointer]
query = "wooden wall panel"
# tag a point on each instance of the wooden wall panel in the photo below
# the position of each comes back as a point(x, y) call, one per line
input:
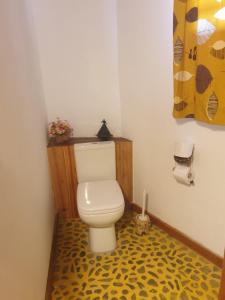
point(64, 180)
point(73, 183)
point(124, 168)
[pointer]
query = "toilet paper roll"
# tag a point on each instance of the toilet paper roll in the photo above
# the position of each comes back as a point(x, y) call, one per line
point(183, 174)
point(184, 149)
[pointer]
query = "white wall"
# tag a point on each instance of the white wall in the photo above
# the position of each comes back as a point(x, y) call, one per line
point(78, 51)
point(77, 44)
point(26, 213)
point(145, 61)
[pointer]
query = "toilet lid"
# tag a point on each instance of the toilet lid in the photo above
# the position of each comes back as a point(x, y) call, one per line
point(99, 197)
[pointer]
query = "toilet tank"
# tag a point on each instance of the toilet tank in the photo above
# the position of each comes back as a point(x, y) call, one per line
point(95, 161)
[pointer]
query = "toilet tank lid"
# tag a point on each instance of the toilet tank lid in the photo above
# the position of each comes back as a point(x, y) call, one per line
point(99, 196)
point(94, 145)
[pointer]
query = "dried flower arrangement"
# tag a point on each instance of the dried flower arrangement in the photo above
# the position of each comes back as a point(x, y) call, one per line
point(60, 130)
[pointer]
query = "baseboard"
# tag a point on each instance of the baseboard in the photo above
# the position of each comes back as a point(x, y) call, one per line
point(48, 291)
point(222, 286)
point(203, 251)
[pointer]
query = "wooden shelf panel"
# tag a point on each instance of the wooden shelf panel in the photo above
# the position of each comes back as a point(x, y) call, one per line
point(124, 169)
point(79, 140)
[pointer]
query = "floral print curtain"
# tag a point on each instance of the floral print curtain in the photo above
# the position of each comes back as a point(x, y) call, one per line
point(199, 60)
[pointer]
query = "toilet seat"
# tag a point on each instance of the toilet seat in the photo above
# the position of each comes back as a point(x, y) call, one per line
point(99, 197)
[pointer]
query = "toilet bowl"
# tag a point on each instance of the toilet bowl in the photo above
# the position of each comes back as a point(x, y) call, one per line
point(100, 200)
point(100, 205)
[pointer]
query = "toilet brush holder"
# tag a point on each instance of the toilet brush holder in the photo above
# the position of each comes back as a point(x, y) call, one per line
point(142, 223)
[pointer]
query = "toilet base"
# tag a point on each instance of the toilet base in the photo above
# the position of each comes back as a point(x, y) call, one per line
point(102, 239)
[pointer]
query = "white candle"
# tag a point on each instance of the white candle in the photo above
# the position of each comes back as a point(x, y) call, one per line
point(144, 203)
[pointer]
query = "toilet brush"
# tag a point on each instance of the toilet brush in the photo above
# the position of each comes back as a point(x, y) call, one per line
point(142, 220)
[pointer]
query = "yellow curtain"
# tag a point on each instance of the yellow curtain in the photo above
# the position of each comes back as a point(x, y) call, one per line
point(199, 60)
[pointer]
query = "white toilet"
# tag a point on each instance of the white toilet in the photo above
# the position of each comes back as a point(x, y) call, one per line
point(100, 200)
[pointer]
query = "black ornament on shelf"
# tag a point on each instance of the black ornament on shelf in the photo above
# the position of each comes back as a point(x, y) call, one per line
point(104, 133)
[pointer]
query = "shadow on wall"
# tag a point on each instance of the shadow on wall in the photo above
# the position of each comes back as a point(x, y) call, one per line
point(201, 124)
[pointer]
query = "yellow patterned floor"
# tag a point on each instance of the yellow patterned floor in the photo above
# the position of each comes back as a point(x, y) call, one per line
point(154, 266)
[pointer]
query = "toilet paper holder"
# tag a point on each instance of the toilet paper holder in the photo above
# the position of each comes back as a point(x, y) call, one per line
point(183, 155)
point(184, 160)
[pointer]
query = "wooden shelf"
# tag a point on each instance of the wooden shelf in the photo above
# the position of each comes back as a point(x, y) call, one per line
point(79, 140)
